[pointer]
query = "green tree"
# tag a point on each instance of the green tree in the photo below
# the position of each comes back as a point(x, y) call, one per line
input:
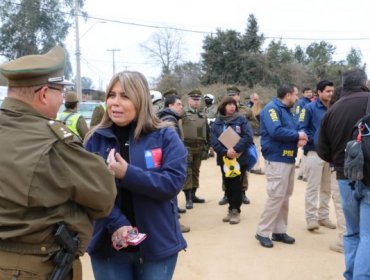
point(354, 58)
point(33, 26)
point(319, 58)
point(251, 41)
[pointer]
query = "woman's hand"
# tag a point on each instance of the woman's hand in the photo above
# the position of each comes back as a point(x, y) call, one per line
point(231, 153)
point(117, 164)
point(120, 236)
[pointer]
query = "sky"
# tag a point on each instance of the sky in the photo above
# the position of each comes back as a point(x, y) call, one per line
point(342, 23)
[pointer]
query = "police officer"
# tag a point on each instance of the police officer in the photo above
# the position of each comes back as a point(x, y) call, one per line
point(46, 175)
point(169, 92)
point(279, 141)
point(73, 120)
point(157, 100)
point(234, 92)
point(196, 140)
point(98, 114)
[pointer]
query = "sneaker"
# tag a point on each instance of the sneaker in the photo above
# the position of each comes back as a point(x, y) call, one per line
point(235, 217)
point(227, 217)
point(283, 237)
point(184, 228)
point(311, 226)
point(245, 199)
point(264, 241)
point(337, 247)
point(223, 200)
point(327, 223)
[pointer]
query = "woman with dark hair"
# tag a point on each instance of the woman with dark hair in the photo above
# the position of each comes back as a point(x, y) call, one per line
point(148, 160)
point(228, 116)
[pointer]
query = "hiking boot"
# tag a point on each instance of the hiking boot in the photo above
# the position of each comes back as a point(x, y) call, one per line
point(196, 199)
point(235, 217)
point(245, 199)
point(226, 219)
point(223, 200)
point(327, 223)
point(311, 226)
point(184, 228)
point(283, 237)
point(264, 241)
point(337, 247)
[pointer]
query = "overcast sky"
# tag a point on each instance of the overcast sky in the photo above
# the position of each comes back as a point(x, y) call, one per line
point(343, 23)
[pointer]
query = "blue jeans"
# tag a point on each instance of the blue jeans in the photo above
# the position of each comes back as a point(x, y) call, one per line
point(356, 209)
point(129, 266)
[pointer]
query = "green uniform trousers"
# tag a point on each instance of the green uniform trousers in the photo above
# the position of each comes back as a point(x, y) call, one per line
point(194, 161)
point(14, 266)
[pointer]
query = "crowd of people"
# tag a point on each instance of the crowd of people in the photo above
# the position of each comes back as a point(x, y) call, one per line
point(119, 180)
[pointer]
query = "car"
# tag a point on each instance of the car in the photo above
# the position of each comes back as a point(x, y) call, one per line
point(85, 108)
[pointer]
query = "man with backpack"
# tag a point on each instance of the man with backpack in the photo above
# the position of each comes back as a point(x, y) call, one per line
point(336, 130)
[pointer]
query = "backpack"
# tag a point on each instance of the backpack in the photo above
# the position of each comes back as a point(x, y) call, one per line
point(357, 152)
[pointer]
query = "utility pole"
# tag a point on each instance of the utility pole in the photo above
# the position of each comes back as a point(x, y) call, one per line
point(114, 63)
point(78, 55)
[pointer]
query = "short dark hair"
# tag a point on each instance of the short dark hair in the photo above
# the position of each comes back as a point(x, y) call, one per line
point(323, 84)
point(170, 100)
point(284, 89)
point(305, 89)
point(225, 101)
point(354, 78)
point(70, 105)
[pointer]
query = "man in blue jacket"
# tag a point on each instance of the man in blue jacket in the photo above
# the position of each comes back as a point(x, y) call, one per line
point(279, 140)
point(318, 171)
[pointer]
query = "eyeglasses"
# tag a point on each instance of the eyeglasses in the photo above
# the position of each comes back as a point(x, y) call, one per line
point(51, 87)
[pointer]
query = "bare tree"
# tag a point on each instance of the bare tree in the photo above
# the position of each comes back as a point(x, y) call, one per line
point(166, 48)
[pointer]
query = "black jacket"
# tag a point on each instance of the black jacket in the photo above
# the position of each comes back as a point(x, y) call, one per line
point(337, 127)
point(171, 116)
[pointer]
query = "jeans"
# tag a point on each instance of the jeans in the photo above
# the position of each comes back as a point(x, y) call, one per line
point(129, 266)
point(356, 209)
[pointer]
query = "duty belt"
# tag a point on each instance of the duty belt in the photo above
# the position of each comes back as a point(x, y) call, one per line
point(28, 249)
point(194, 144)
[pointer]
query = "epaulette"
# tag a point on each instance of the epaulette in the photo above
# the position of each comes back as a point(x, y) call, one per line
point(60, 130)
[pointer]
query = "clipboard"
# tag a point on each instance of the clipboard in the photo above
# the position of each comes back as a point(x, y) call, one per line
point(229, 138)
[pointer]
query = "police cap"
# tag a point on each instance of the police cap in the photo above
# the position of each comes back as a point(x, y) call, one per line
point(195, 94)
point(232, 90)
point(71, 97)
point(171, 91)
point(34, 70)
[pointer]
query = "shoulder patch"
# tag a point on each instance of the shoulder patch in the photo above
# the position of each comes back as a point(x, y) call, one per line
point(60, 130)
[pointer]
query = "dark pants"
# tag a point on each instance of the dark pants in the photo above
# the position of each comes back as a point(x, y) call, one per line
point(233, 188)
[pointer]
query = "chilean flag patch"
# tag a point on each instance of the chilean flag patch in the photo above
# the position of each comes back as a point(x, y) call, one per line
point(153, 158)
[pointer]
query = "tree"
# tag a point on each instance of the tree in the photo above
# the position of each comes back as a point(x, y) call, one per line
point(319, 58)
point(252, 42)
point(354, 58)
point(33, 26)
point(165, 47)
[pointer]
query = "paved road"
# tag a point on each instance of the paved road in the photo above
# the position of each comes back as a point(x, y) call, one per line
point(218, 251)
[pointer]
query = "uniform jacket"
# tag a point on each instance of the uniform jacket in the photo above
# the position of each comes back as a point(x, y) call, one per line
point(241, 126)
point(301, 103)
point(97, 114)
point(337, 126)
point(47, 177)
point(155, 175)
point(309, 122)
point(279, 134)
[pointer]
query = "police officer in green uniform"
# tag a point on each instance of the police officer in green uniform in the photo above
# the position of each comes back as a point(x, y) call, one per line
point(171, 91)
point(98, 114)
point(73, 120)
point(210, 110)
point(196, 138)
point(46, 175)
point(234, 92)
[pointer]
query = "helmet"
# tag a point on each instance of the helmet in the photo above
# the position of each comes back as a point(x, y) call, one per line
point(155, 95)
point(209, 98)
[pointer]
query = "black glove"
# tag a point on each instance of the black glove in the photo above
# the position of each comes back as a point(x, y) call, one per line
point(354, 161)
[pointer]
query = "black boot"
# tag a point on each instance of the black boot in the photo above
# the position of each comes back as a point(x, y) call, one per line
point(181, 210)
point(245, 199)
point(188, 198)
point(223, 200)
point(195, 198)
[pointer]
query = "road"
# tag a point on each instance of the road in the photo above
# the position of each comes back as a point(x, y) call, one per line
point(218, 250)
